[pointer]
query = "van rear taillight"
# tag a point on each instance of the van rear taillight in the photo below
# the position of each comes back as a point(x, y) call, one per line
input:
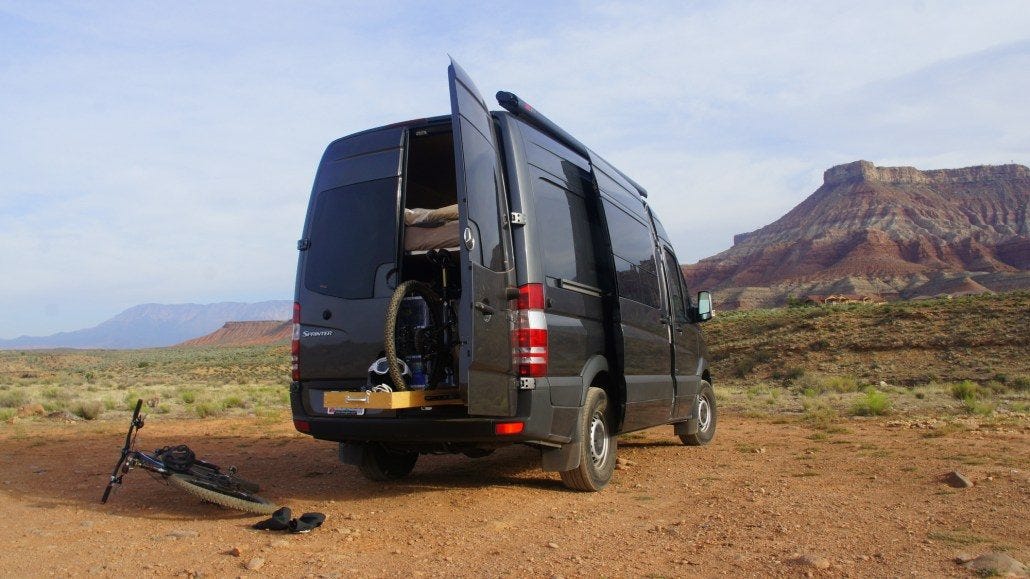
point(531, 332)
point(295, 344)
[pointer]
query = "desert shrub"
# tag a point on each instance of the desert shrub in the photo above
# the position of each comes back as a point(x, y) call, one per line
point(839, 383)
point(130, 399)
point(90, 377)
point(819, 345)
point(1020, 383)
point(974, 406)
point(968, 390)
point(873, 403)
point(233, 402)
point(188, 396)
point(88, 409)
point(821, 416)
point(13, 398)
point(110, 403)
point(789, 373)
point(995, 387)
point(207, 408)
point(743, 366)
point(7, 414)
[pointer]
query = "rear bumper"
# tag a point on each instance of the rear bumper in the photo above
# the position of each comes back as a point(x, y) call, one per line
point(411, 430)
point(541, 424)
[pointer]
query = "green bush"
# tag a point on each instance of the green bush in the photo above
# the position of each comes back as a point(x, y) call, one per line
point(206, 409)
point(13, 398)
point(188, 396)
point(968, 390)
point(841, 383)
point(7, 414)
point(874, 403)
point(233, 402)
point(974, 406)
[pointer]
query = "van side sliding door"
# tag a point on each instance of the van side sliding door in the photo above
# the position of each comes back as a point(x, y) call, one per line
point(646, 354)
point(485, 372)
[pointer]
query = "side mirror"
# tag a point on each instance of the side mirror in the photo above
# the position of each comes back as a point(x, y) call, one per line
point(704, 306)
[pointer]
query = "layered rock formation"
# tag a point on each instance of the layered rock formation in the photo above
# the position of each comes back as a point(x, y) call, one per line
point(255, 333)
point(884, 232)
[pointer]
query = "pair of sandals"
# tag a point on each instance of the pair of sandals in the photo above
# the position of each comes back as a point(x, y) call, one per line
point(281, 521)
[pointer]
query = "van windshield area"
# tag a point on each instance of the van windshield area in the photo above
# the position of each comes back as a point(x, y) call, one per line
point(353, 232)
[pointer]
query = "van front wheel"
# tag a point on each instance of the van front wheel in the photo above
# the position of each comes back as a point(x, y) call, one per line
point(706, 418)
point(598, 445)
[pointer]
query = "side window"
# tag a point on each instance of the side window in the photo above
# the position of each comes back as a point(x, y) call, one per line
point(677, 291)
point(633, 247)
point(564, 230)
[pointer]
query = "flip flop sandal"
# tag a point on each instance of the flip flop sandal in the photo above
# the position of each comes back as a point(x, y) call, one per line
point(280, 521)
point(307, 522)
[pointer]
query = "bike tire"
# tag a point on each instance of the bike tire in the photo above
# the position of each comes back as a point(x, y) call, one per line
point(433, 301)
point(233, 499)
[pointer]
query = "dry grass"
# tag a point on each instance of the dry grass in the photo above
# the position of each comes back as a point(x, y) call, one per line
point(175, 381)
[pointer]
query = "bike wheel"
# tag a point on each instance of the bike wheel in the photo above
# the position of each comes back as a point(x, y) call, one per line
point(411, 288)
point(234, 498)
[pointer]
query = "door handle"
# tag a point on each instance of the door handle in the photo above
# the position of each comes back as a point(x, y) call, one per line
point(485, 307)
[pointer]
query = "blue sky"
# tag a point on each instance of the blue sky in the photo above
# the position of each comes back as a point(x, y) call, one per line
point(164, 152)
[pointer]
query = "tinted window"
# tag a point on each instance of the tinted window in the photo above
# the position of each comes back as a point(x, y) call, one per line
point(633, 247)
point(564, 230)
point(482, 182)
point(353, 231)
point(677, 291)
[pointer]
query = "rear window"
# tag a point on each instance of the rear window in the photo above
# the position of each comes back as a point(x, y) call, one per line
point(353, 231)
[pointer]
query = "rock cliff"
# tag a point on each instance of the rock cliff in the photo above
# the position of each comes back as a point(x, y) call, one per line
point(884, 232)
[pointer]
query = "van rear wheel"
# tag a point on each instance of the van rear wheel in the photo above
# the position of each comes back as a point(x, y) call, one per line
point(598, 445)
point(381, 464)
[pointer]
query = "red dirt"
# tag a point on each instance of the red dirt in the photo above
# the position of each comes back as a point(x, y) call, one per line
point(870, 501)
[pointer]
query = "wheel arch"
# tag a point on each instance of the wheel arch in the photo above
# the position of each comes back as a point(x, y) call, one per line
point(596, 372)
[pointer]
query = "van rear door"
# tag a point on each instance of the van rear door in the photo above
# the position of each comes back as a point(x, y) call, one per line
point(348, 256)
point(485, 366)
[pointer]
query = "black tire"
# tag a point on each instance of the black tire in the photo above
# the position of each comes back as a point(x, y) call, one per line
point(598, 447)
point(707, 418)
point(407, 289)
point(381, 464)
point(234, 499)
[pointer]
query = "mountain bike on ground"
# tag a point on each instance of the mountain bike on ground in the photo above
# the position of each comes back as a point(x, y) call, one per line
point(179, 466)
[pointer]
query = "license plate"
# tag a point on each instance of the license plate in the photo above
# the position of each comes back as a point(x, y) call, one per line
point(345, 411)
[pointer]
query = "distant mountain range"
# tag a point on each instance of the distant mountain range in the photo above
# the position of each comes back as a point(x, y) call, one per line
point(883, 233)
point(156, 325)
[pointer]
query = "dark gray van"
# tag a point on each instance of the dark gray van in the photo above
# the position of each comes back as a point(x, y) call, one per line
point(481, 279)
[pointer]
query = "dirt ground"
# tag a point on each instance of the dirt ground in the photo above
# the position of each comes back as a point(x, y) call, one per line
point(868, 501)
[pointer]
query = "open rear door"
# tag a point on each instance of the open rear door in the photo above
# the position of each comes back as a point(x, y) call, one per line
point(484, 321)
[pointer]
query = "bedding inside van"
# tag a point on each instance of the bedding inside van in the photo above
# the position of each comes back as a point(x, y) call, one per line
point(426, 229)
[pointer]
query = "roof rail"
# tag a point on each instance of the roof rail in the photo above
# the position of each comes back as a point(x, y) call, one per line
point(520, 108)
